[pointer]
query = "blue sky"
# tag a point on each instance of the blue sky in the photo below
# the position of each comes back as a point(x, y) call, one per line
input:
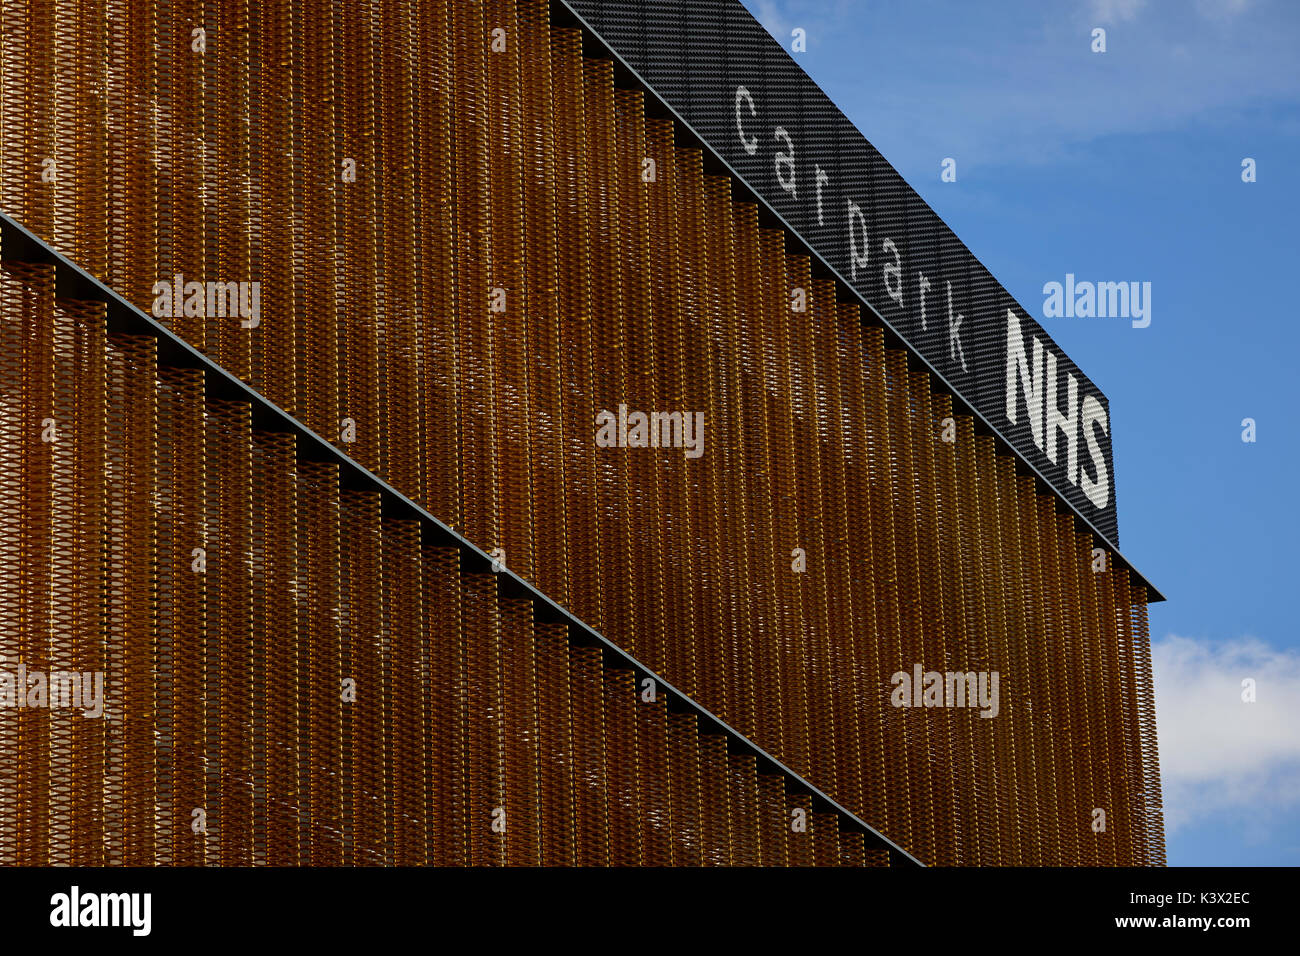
point(1126, 165)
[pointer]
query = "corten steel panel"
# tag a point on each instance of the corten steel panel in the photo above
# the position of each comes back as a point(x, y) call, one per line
point(254, 726)
point(523, 247)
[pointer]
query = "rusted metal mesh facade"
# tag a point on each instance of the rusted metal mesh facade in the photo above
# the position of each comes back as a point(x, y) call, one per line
point(521, 248)
point(225, 682)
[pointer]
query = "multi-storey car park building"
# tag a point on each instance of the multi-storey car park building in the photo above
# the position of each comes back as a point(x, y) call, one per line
point(332, 339)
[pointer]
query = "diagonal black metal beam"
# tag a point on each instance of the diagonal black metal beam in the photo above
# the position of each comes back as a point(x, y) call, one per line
point(19, 244)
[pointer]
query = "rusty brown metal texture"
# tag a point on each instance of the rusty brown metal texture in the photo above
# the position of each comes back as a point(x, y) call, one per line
point(469, 242)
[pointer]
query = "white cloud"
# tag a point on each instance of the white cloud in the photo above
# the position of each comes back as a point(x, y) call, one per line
point(1018, 85)
point(772, 17)
point(1222, 758)
point(1221, 9)
point(1114, 11)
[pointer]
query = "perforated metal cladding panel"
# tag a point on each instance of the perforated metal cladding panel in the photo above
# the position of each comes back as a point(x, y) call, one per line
point(318, 683)
point(697, 54)
point(622, 283)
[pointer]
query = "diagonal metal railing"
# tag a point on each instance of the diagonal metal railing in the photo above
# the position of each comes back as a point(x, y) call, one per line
point(17, 243)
